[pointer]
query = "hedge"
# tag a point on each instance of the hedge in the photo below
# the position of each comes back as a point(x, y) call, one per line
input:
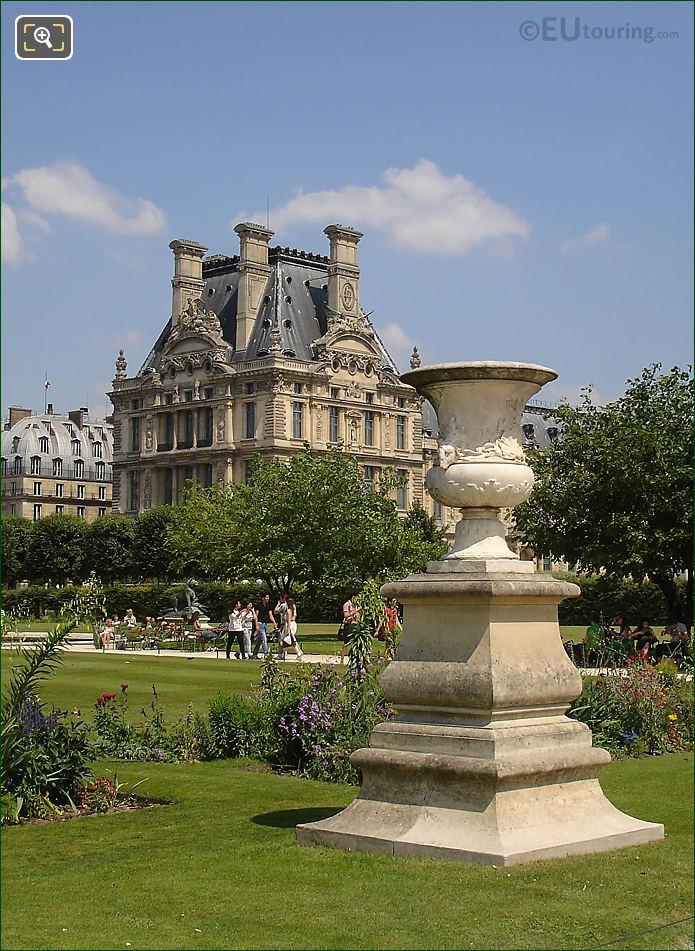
point(608, 598)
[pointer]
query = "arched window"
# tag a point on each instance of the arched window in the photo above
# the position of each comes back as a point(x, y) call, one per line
point(76, 448)
point(15, 443)
point(17, 465)
point(57, 467)
point(3, 465)
point(79, 469)
point(43, 444)
point(36, 465)
point(100, 470)
point(96, 450)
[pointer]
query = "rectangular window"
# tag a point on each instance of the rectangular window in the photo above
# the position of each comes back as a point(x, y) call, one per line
point(135, 435)
point(369, 476)
point(102, 493)
point(369, 428)
point(206, 475)
point(96, 449)
point(250, 389)
point(400, 432)
point(60, 509)
point(297, 420)
point(400, 402)
point(168, 486)
point(136, 404)
point(57, 467)
point(80, 511)
point(59, 490)
point(35, 465)
point(37, 488)
point(335, 393)
point(134, 490)
point(168, 441)
point(208, 392)
point(333, 424)
point(369, 399)
point(188, 396)
point(402, 490)
point(37, 512)
point(298, 389)
point(169, 398)
point(250, 427)
point(13, 509)
point(102, 513)
point(205, 434)
point(80, 491)
point(13, 488)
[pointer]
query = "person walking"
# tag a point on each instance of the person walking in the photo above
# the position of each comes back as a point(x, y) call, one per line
point(264, 617)
point(289, 640)
point(351, 617)
point(234, 627)
point(248, 626)
point(280, 614)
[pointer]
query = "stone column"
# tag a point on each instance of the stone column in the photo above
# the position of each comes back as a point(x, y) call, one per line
point(481, 763)
point(187, 283)
point(343, 270)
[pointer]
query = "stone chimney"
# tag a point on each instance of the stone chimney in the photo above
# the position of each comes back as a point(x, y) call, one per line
point(254, 271)
point(77, 416)
point(49, 409)
point(187, 282)
point(17, 413)
point(343, 271)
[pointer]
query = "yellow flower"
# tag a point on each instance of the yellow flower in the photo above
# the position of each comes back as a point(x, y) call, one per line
point(672, 716)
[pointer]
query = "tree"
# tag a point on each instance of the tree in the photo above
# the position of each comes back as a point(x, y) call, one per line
point(109, 543)
point(16, 533)
point(56, 549)
point(153, 551)
point(308, 524)
point(615, 493)
point(425, 527)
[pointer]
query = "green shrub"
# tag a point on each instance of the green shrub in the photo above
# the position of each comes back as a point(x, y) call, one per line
point(609, 598)
point(640, 710)
point(45, 757)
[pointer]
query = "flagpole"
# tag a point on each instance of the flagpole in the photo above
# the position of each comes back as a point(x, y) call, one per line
point(45, 393)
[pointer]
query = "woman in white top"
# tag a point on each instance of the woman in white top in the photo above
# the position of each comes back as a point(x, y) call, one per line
point(289, 639)
point(130, 620)
point(248, 624)
point(234, 628)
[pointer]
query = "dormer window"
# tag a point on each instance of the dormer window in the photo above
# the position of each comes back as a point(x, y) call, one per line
point(43, 444)
point(79, 469)
point(17, 465)
point(96, 450)
point(57, 467)
point(100, 470)
point(15, 444)
point(529, 430)
point(36, 465)
point(76, 448)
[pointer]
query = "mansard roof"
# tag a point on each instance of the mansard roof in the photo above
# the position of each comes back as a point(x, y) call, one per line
point(294, 305)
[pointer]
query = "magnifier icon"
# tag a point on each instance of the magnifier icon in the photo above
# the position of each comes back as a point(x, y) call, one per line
point(43, 35)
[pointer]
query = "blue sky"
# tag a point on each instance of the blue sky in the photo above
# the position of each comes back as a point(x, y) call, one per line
point(521, 199)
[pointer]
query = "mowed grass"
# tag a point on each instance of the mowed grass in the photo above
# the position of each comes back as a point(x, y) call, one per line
point(219, 868)
point(179, 682)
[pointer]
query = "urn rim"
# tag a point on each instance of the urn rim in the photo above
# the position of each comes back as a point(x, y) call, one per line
point(479, 370)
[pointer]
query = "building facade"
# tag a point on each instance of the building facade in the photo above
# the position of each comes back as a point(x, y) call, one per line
point(265, 352)
point(56, 464)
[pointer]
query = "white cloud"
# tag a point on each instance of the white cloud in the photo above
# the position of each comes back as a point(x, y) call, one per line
point(69, 189)
point(129, 338)
point(600, 233)
point(12, 245)
point(419, 208)
point(34, 220)
point(398, 344)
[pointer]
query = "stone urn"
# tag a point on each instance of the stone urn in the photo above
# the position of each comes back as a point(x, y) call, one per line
point(481, 763)
point(481, 468)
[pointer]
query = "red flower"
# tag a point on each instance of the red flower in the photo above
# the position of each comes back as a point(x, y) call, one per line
point(124, 687)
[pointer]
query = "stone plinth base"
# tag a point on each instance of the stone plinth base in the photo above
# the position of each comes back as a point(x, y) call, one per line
point(481, 764)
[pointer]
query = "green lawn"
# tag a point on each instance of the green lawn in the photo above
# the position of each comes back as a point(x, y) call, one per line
point(219, 869)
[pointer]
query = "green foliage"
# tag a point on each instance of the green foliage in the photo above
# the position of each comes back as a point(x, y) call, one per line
point(301, 526)
point(608, 597)
point(16, 534)
point(640, 710)
point(425, 527)
point(44, 756)
point(109, 546)
point(371, 606)
point(56, 549)
point(152, 549)
point(616, 491)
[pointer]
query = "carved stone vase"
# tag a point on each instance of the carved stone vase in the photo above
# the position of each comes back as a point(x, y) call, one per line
point(481, 763)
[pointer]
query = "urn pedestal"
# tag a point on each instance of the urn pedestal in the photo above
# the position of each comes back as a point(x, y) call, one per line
point(481, 763)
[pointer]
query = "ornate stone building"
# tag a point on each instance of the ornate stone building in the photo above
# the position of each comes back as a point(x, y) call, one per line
point(264, 352)
point(53, 463)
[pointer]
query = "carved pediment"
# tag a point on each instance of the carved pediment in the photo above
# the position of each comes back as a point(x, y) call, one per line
point(197, 326)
